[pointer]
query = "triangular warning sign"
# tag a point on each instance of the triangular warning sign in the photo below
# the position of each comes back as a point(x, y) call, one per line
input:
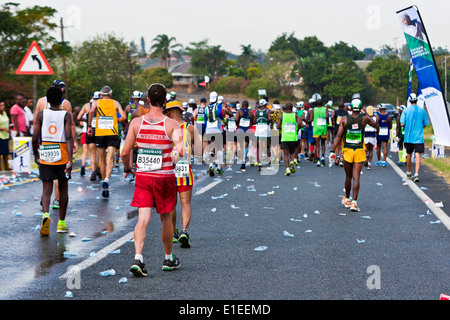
point(34, 62)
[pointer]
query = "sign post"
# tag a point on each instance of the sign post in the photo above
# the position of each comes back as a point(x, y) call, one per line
point(34, 63)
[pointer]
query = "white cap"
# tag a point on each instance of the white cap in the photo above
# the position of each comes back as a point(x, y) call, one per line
point(262, 102)
point(220, 99)
point(213, 96)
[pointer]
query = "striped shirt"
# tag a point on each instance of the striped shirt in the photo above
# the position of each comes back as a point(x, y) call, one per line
point(185, 178)
point(154, 150)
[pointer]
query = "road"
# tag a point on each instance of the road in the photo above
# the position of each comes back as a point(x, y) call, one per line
point(396, 248)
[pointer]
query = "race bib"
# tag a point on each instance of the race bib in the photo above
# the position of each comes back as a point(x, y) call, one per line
point(338, 120)
point(289, 127)
point(231, 125)
point(200, 119)
point(182, 169)
point(214, 124)
point(244, 122)
point(94, 122)
point(105, 122)
point(149, 159)
point(50, 153)
point(262, 129)
point(353, 137)
point(384, 131)
point(321, 121)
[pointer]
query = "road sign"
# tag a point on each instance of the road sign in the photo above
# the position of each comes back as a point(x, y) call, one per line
point(34, 62)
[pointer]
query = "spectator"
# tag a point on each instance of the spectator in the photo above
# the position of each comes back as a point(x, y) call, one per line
point(18, 117)
point(4, 136)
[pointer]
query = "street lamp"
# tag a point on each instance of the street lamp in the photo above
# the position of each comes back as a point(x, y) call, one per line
point(445, 76)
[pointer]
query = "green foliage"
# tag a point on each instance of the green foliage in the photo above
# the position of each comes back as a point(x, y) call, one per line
point(97, 62)
point(163, 48)
point(206, 59)
point(229, 85)
point(271, 86)
point(144, 79)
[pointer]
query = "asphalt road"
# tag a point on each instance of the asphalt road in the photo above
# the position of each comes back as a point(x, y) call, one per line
point(315, 248)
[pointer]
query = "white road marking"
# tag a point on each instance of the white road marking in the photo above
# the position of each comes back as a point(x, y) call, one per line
point(438, 212)
point(208, 187)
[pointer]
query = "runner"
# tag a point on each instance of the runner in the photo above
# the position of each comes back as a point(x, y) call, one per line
point(245, 119)
point(351, 131)
point(414, 120)
point(42, 104)
point(319, 117)
point(106, 133)
point(336, 119)
point(289, 124)
point(214, 114)
point(275, 133)
point(400, 134)
point(385, 122)
point(155, 184)
point(183, 174)
point(298, 150)
point(53, 148)
point(231, 127)
point(142, 110)
point(311, 139)
point(136, 97)
point(330, 125)
point(370, 138)
point(262, 133)
point(89, 141)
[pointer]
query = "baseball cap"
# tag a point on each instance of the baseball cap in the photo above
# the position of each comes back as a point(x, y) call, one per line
point(213, 96)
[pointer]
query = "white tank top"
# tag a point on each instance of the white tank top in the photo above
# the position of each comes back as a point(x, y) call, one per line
point(53, 126)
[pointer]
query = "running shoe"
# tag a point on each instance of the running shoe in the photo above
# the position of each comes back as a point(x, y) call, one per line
point(292, 167)
point(415, 178)
point(288, 172)
point(62, 228)
point(138, 269)
point(318, 163)
point(259, 166)
point(83, 171)
point(93, 176)
point(322, 161)
point(354, 207)
point(341, 164)
point(302, 156)
point(175, 236)
point(45, 225)
point(55, 204)
point(219, 171)
point(346, 202)
point(184, 239)
point(243, 167)
point(383, 163)
point(369, 167)
point(211, 171)
point(400, 164)
point(170, 265)
point(105, 187)
point(408, 175)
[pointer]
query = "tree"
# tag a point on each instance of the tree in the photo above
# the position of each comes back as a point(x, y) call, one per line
point(153, 75)
point(206, 59)
point(246, 57)
point(390, 74)
point(163, 48)
point(342, 51)
point(97, 62)
point(346, 79)
point(19, 27)
point(312, 70)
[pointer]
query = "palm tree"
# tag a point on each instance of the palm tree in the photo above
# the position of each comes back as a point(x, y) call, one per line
point(163, 48)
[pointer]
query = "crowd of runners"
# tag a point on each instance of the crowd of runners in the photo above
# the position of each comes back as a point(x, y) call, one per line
point(158, 138)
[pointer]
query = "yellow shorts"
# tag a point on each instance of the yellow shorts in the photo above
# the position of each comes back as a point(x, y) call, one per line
point(354, 156)
point(321, 136)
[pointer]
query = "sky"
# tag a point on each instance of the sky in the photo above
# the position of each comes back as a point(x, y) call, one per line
point(232, 23)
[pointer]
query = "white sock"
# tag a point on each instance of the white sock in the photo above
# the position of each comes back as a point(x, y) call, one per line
point(139, 257)
point(106, 180)
point(169, 257)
